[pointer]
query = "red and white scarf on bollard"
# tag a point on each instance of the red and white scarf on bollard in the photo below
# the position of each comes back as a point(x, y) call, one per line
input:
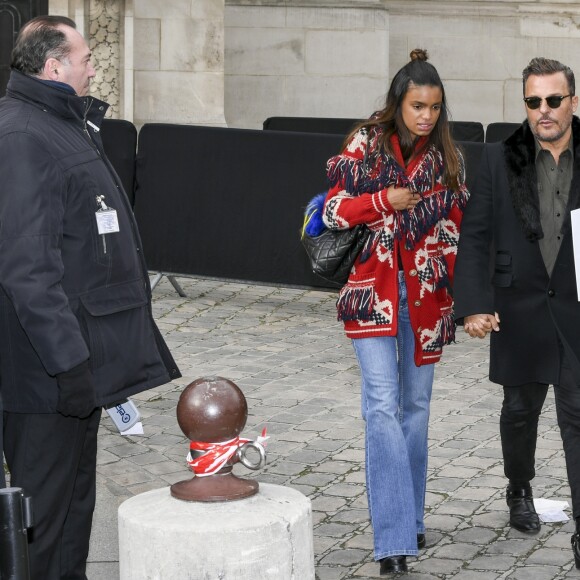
point(216, 455)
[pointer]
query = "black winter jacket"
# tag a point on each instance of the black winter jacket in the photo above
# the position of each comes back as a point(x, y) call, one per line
point(501, 227)
point(67, 293)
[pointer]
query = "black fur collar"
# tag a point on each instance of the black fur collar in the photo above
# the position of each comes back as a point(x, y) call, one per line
point(520, 155)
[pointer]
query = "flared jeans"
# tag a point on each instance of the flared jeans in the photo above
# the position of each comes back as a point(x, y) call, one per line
point(395, 402)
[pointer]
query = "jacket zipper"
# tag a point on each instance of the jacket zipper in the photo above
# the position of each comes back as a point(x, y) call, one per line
point(123, 198)
point(99, 198)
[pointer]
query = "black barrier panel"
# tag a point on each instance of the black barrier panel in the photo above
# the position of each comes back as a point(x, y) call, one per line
point(229, 203)
point(499, 131)
point(334, 125)
point(472, 155)
point(461, 130)
point(120, 144)
point(467, 131)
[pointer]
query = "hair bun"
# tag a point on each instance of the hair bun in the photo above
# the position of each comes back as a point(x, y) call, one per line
point(419, 54)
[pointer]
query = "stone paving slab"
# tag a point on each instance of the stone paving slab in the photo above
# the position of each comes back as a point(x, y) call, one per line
point(284, 348)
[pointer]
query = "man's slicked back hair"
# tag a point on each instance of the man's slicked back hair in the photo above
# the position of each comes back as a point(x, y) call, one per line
point(38, 40)
point(541, 66)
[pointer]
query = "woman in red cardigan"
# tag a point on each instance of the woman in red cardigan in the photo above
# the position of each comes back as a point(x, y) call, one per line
point(402, 176)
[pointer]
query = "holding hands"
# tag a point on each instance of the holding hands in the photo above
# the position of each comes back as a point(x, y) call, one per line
point(479, 325)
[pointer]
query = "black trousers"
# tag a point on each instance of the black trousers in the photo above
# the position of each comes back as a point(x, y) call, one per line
point(53, 458)
point(520, 412)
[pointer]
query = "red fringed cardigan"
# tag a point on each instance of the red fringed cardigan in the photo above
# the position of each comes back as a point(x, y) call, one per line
point(426, 238)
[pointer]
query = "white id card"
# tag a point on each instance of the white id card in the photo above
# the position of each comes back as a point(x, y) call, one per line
point(107, 221)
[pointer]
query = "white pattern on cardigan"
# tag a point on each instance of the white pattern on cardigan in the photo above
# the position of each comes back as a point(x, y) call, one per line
point(426, 237)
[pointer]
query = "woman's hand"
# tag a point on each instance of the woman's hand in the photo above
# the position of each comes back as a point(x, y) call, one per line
point(401, 198)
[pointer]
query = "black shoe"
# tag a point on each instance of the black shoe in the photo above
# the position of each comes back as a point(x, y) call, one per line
point(393, 565)
point(421, 541)
point(523, 516)
point(576, 549)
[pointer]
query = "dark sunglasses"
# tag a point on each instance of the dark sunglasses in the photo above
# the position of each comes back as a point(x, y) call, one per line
point(553, 102)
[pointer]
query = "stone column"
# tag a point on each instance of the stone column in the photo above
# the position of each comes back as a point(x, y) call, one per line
point(104, 38)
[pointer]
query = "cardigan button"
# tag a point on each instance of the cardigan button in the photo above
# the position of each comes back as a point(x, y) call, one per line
point(417, 303)
point(551, 293)
point(413, 272)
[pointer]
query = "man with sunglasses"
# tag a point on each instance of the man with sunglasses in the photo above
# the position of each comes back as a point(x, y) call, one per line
point(515, 280)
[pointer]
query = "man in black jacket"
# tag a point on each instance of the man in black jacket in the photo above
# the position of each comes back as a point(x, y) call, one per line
point(518, 223)
point(76, 327)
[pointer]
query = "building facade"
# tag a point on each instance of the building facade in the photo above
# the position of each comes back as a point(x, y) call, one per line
point(237, 62)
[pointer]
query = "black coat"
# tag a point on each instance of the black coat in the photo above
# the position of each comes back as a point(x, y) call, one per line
point(500, 267)
point(67, 293)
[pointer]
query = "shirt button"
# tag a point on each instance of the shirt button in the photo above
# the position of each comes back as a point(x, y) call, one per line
point(551, 293)
point(417, 303)
point(557, 215)
point(413, 272)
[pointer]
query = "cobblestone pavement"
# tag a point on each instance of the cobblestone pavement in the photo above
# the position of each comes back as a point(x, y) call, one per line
point(285, 350)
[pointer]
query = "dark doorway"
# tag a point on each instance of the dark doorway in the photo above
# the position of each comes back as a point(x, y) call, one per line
point(13, 14)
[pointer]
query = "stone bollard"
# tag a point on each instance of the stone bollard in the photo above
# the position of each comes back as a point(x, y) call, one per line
point(216, 525)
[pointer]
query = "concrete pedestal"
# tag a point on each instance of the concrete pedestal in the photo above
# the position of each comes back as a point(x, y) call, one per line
point(265, 537)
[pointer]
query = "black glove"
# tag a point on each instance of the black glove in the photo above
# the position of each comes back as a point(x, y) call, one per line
point(76, 392)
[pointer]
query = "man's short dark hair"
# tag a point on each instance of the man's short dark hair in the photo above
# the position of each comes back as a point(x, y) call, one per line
point(541, 66)
point(38, 40)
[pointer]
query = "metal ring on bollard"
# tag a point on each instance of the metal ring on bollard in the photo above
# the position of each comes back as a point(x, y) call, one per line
point(241, 453)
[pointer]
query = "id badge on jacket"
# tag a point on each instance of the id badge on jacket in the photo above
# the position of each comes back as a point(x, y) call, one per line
point(107, 220)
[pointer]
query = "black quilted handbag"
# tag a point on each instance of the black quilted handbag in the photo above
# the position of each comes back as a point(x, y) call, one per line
point(333, 252)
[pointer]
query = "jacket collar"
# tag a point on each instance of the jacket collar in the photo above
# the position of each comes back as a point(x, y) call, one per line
point(56, 100)
point(520, 156)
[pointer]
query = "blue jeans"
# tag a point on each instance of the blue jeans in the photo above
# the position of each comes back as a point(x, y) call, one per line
point(395, 405)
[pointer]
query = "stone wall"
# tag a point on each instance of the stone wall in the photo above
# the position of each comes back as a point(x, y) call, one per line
point(481, 48)
point(304, 58)
point(206, 62)
point(179, 61)
point(157, 60)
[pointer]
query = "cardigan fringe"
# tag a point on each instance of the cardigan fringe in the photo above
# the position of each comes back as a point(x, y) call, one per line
point(409, 225)
point(356, 301)
point(447, 332)
point(426, 236)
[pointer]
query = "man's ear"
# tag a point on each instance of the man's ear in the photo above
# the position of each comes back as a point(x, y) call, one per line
point(50, 72)
point(574, 103)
